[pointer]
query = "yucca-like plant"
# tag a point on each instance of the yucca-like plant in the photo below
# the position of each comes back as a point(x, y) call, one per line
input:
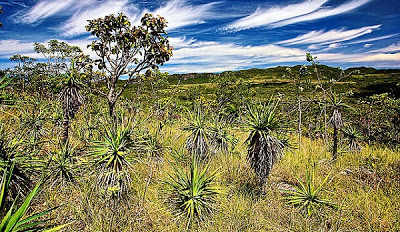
point(150, 144)
point(221, 139)
point(353, 137)
point(336, 120)
point(112, 157)
point(308, 195)
point(200, 137)
point(33, 124)
point(15, 219)
point(192, 195)
point(70, 97)
point(264, 145)
point(62, 166)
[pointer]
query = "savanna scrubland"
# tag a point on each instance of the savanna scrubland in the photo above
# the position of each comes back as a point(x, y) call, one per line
point(303, 148)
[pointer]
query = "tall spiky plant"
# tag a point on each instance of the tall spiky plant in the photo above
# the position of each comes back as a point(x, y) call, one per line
point(199, 139)
point(192, 195)
point(336, 120)
point(112, 157)
point(71, 98)
point(264, 146)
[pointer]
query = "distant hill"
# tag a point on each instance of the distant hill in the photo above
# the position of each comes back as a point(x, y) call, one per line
point(278, 72)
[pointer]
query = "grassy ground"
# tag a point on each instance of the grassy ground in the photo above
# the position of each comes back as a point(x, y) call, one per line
point(364, 185)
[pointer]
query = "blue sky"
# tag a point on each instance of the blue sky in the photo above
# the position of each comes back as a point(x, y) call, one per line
point(215, 36)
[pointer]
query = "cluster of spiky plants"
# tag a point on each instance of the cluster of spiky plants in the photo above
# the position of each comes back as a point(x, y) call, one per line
point(353, 137)
point(222, 140)
point(199, 139)
point(192, 195)
point(112, 157)
point(265, 147)
point(206, 135)
point(308, 195)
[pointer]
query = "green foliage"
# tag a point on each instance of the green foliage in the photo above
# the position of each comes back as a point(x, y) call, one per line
point(231, 94)
point(113, 160)
point(200, 136)
point(126, 50)
point(353, 137)
point(265, 127)
point(16, 220)
point(62, 165)
point(192, 195)
point(308, 195)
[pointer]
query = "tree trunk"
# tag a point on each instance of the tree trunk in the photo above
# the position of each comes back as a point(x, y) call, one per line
point(65, 129)
point(112, 114)
point(299, 105)
point(335, 143)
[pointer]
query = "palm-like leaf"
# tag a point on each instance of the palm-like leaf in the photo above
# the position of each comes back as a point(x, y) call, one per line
point(13, 219)
point(192, 195)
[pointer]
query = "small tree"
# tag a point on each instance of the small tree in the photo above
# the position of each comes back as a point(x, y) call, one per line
point(24, 68)
point(127, 51)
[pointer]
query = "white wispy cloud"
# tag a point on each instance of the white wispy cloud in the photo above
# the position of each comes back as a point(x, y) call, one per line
point(11, 46)
point(279, 16)
point(75, 25)
point(390, 48)
point(42, 10)
point(329, 37)
point(374, 39)
point(323, 13)
point(179, 13)
point(265, 17)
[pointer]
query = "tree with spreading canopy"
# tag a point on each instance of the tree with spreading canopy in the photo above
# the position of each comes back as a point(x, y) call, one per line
point(127, 51)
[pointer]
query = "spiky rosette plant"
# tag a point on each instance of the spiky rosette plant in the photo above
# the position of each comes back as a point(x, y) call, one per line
point(200, 136)
point(192, 195)
point(16, 219)
point(264, 146)
point(62, 165)
point(112, 157)
point(353, 137)
point(307, 195)
point(222, 140)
